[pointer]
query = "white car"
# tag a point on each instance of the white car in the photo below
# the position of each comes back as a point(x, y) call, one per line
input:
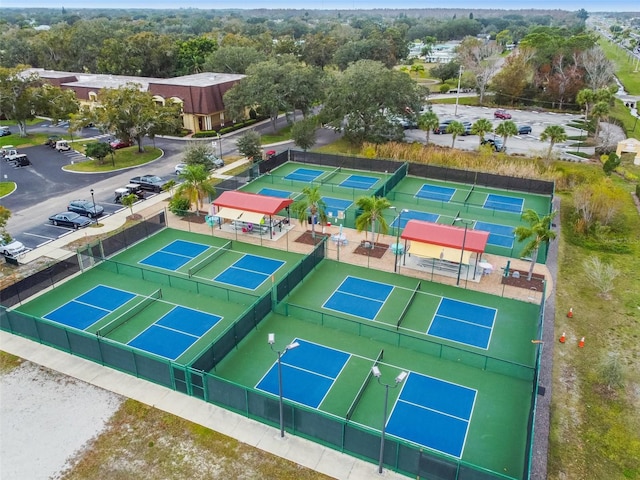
point(179, 168)
point(12, 248)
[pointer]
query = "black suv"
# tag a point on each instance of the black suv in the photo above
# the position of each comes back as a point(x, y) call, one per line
point(85, 208)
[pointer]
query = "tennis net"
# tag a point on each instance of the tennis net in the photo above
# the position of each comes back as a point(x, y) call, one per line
point(457, 216)
point(325, 178)
point(129, 314)
point(210, 258)
point(363, 387)
point(406, 308)
point(466, 199)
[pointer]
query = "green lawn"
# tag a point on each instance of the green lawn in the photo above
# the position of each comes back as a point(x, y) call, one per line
point(6, 188)
point(624, 66)
point(123, 158)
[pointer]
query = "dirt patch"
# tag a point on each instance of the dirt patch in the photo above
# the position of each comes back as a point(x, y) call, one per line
point(193, 218)
point(536, 282)
point(375, 250)
point(307, 238)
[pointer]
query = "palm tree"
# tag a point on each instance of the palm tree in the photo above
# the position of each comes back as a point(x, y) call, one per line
point(555, 134)
point(482, 127)
point(455, 128)
point(372, 208)
point(599, 110)
point(506, 129)
point(427, 122)
point(196, 185)
point(538, 232)
point(310, 206)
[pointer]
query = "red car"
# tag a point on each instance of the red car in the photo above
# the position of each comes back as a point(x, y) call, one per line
point(116, 144)
point(502, 115)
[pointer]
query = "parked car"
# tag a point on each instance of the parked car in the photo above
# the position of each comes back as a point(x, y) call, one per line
point(442, 128)
point(467, 128)
point(11, 248)
point(4, 131)
point(129, 189)
point(62, 146)
point(8, 151)
point(502, 114)
point(116, 144)
point(20, 160)
point(69, 219)
point(86, 208)
point(524, 129)
point(51, 140)
point(179, 168)
point(495, 143)
point(404, 122)
point(153, 183)
point(217, 161)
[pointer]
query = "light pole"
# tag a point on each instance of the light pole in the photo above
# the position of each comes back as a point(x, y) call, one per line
point(291, 346)
point(399, 379)
point(397, 249)
point(95, 216)
point(464, 240)
point(220, 144)
point(455, 113)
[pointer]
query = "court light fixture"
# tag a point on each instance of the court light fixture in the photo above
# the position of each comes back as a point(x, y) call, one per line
point(399, 379)
point(271, 339)
point(397, 249)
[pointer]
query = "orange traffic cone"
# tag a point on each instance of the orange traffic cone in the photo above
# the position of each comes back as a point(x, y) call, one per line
point(563, 338)
point(581, 342)
point(570, 314)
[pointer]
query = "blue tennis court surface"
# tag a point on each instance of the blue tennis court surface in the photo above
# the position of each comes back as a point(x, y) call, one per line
point(500, 235)
point(93, 305)
point(175, 332)
point(359, 297)
point(272, 192)
point(433, 413)
point(503, 203)
point(436, 192)
point(335, 205)
point(359, 182)
point(414, 215)
point(308, 373)
point(174, 255)
point(463, 322)
point(304, 174)
point(249, 272)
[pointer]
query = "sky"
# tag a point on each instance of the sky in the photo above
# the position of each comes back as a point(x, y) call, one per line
point(570, 5)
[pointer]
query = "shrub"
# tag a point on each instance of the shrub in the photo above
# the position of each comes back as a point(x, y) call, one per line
point(179, 206)
point(444, 88)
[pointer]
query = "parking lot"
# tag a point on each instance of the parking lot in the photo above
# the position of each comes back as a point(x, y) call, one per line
point(525, 145)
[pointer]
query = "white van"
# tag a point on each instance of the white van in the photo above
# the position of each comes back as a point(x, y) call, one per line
point(62, 146)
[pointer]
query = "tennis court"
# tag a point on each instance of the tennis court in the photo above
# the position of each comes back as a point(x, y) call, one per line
point(175, 332)
point(359, 182)
point(90, 307)
point(500, 235)
point(174, 255)
point(273, 192)
point(304, 175)
point(359, 297)
point(436, 192)
point(433, 413)
point(504, 203)
point(335, 205)
point(249, 272)
point(463, 322)
point(401, 220)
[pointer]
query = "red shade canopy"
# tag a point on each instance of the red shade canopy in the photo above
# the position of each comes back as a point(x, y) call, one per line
point(252, 202)
point(445, 235)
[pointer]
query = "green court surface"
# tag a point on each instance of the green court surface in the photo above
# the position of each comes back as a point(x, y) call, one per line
point(515, 326)
point(497, 433)
point(469, 204)
point(198, 292)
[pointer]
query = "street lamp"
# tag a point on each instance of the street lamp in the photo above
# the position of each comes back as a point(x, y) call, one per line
point(399, 379)
point(291, 346)
point(397, 249)
point(95, 216)
point(464, 240)
point(219, 143)
point(455, 114)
